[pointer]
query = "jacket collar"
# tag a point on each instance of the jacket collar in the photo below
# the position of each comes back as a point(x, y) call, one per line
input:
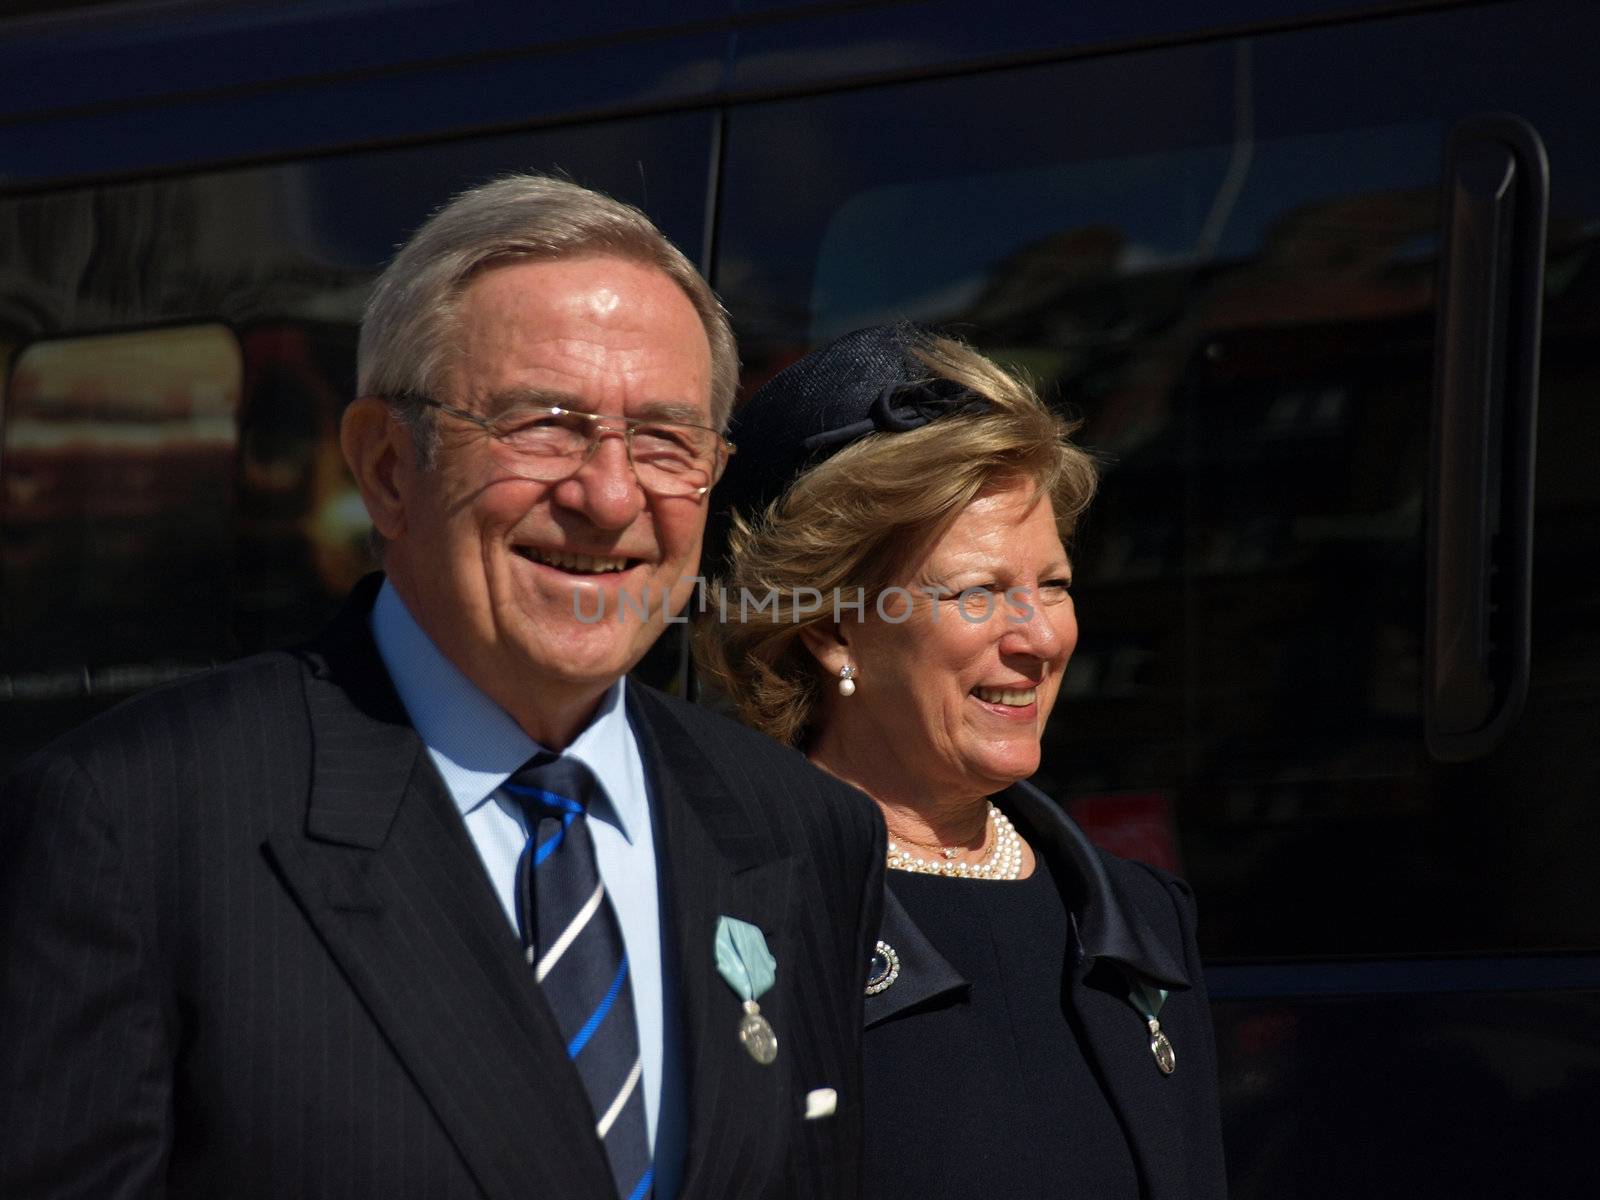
point(922, 974)
point(1103, 918)
point(1107, 922)
point(350, 695)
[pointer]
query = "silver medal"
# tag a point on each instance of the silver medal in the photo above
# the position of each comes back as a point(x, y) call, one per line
point(755, 1033)
point(1166, 1056)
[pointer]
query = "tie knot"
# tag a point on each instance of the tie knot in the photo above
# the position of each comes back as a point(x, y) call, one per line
point(552, 784)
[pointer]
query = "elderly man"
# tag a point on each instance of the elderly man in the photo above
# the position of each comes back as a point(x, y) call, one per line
point(440, 906)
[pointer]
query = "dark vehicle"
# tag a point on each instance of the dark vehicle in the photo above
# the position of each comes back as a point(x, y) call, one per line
point(1322, 280)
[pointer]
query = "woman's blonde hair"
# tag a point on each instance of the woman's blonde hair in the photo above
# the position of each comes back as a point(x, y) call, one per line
point(861, 517)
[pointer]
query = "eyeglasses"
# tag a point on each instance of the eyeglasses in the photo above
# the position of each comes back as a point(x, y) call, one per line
point(549, 444)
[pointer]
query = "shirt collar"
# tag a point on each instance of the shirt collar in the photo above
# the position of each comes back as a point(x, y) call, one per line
point(474, 743)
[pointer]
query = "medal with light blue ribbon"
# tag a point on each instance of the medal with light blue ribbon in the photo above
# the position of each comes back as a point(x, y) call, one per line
point(1148, 1001)
point(745, 962)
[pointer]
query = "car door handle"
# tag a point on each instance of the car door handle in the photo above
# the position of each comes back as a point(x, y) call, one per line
point(1480, 514)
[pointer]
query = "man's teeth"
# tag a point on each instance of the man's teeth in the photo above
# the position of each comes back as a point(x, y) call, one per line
point(1011, 697)
point(587, 564)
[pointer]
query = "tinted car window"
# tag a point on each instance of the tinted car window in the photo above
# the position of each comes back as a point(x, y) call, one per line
point(1223, 259)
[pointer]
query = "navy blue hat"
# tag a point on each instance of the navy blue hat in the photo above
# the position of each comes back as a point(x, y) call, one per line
point(868, 381)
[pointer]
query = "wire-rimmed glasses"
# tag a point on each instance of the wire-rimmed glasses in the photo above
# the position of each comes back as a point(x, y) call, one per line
point(549, 443)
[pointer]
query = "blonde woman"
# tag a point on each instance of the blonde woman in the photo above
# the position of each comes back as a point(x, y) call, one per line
point(1036, 1016)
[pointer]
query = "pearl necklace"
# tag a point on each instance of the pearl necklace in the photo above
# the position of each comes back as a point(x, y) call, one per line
point(1004, 860)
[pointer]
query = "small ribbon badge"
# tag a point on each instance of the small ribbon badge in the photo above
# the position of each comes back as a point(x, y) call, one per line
point(750, 970)
point(1148, 1001)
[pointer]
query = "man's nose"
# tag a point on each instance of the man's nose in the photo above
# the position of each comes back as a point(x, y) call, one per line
point(605, 488)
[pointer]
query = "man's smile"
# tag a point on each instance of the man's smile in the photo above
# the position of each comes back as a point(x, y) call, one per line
point(578, 564)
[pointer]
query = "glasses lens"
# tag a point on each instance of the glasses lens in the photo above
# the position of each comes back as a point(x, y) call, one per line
point(546, 434)
point(674, 460)
point(668, 459)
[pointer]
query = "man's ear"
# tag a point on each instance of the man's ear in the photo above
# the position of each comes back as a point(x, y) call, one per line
point(829, 643)
point(378, 450)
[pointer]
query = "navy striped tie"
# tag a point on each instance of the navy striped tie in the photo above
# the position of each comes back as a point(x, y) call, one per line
point(575, 947)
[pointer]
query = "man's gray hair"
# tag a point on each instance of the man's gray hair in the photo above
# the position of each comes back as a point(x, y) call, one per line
point(408, 330)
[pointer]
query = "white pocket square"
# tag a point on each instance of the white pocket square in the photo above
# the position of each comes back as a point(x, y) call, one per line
point(821, 1102)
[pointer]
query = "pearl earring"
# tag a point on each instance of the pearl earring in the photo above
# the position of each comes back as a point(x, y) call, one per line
point(847, 680)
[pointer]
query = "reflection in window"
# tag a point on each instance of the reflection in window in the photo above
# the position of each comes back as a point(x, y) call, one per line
point(301, 531)
point(116, 513)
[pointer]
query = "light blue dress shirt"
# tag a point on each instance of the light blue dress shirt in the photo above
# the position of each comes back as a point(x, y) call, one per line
point(476, 746)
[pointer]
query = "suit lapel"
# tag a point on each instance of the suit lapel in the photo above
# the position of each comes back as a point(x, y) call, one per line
point(387, 873)
point(717, 860)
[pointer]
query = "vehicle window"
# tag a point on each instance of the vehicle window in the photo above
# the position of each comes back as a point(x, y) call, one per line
point(1222, 258)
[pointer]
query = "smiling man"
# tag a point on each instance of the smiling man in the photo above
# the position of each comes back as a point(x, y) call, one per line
point(499, 550)
point(441, 905)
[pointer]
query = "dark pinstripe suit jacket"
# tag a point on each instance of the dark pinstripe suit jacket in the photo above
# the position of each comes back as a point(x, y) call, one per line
point(250, 951)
